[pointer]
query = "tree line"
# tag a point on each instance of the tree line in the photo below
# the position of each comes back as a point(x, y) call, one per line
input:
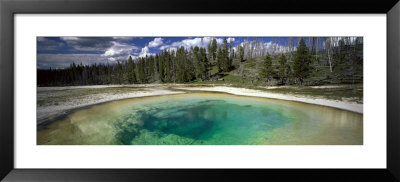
point(187, 65)
point(300, 68)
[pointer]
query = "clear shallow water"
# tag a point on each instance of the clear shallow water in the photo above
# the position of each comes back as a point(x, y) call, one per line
point(205, 119)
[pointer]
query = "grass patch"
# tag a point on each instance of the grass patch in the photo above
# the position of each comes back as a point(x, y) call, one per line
point(353, 93)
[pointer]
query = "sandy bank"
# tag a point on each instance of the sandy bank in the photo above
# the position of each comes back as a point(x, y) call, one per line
point(51, 111)
point(345, 105)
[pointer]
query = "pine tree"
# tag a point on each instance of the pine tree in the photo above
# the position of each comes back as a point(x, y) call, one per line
point(151, 69)
point(190, 70)
point(231, 51)
point(141, 70)
point(197, 61)
point(226, 62)
point(204, 63)
point(301, 62)
point(181, 61)
point(167, 66)
point(174, 65)
point(131, 71)
point(118, 73)
point(209, 51)
point(232, 55)
point(214, 48)
point(241, 53)
point(284, 68)
point(220, 60)
point(160, 66)
point(266, 71)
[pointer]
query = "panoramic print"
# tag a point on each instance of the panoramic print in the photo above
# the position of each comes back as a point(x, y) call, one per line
point(222, 90)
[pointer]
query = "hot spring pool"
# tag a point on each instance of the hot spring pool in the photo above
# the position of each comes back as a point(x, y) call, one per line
point(204, 119)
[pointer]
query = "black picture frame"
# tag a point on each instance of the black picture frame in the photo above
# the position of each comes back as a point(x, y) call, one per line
point(9, 8)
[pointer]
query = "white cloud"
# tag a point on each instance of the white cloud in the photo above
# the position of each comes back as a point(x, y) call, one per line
point(119, 49)
point(145, 52)
point(230, 39)
point(112, 59)
point(119, 52)
point(123, 38)
point(187, 43)
point(156, 42)
point(133, 57)
point(69, 38)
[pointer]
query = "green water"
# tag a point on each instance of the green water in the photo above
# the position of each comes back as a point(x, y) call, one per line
point(204, 119)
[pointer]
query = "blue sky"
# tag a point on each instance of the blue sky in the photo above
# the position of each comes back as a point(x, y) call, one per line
point(60, 52)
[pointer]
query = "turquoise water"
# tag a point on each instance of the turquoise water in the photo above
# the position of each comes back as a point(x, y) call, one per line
point(204, 119)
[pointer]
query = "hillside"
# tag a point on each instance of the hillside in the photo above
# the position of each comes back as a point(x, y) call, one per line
point(246, 73)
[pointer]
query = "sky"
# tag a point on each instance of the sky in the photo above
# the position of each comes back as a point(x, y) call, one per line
point(60, 52)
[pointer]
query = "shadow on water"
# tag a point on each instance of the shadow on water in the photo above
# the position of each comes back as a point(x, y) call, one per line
point(127, 132)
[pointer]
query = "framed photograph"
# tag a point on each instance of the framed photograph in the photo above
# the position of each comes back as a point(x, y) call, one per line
point(133, 90)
